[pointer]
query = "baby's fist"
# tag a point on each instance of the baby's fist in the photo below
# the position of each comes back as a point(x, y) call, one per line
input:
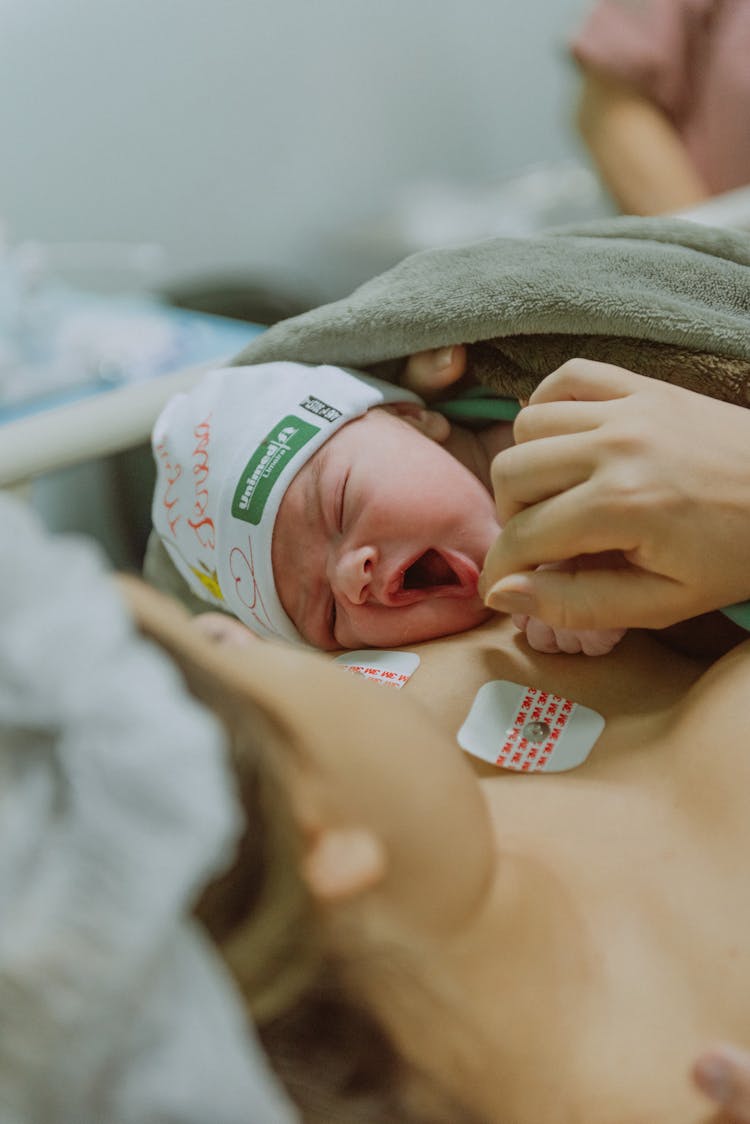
point(591, 641)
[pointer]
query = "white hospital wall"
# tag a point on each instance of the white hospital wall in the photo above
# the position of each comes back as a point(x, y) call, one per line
point(242, 134)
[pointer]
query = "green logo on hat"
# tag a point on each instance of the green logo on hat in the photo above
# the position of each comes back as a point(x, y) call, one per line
point(266, 464)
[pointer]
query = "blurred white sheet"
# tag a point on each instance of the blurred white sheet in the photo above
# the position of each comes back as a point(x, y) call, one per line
point(732, 208)
point(115, 809)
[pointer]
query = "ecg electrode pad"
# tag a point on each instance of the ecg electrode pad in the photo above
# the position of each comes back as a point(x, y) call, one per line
point(528, 730)
point(388, 668)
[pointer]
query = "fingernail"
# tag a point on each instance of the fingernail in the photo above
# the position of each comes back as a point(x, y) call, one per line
point(510, 603)
point(714, 1075)
point(511, 595)
point(443, 357)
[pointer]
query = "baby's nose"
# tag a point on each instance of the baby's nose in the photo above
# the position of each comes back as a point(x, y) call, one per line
point(353, 574)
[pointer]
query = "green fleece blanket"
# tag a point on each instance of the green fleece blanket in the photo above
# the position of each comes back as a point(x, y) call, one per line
point(665, 297)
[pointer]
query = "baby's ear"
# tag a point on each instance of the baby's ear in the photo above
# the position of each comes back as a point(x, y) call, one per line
point(429, 422)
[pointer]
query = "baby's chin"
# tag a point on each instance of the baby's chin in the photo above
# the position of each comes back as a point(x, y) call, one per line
point(460, 616)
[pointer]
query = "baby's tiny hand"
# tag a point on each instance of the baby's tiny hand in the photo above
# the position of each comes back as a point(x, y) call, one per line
point(591, 641)
point(431, 373)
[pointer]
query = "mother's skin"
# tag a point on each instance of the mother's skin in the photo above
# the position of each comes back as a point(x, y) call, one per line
point(558, 948)
point(630, 951)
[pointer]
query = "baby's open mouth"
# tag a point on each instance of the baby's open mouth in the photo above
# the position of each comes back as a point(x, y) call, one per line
point(430, 571)
point(433, 573)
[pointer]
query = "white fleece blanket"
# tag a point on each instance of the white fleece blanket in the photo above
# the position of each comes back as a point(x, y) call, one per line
point(115, 808)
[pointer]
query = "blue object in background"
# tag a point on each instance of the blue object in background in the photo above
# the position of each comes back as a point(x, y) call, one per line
point(76, 345)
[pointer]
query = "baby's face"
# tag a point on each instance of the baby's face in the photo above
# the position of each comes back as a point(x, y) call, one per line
point(380, 539)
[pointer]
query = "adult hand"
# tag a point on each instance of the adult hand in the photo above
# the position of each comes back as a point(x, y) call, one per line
point(430, 373)
point(723, 1075)
point(607, 460)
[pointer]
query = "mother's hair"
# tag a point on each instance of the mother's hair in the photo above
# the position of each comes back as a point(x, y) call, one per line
point(335, 1061)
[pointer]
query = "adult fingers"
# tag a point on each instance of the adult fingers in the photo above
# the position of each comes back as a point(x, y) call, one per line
point(591, 599)
point(555, 529)
point(527, 474)
point(588, 380)
point(555, 419)
point(428, 373)
point(723, 1074)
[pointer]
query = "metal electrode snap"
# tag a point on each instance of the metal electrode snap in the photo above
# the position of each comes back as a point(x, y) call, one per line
point(536, 731)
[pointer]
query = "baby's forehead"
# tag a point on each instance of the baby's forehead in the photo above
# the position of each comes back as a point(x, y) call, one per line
point(354, 434)
point(356, 439)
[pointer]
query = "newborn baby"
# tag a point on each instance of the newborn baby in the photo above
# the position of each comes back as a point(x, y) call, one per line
point(331, 508)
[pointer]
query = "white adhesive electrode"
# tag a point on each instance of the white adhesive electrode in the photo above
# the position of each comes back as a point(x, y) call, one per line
point(388, 668)
point(528, 730)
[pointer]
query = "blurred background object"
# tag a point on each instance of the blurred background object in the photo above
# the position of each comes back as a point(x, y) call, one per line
point(441, 212)
point(246, 137)
point(664, 102)
point(77, 322)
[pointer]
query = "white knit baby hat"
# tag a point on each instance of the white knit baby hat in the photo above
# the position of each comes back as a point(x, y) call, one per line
point(225, 454)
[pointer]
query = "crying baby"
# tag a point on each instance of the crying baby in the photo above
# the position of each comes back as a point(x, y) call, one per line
point(331, 508)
